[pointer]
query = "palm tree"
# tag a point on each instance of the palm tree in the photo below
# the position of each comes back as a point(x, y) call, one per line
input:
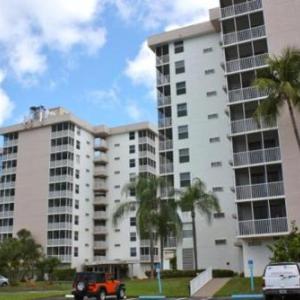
point(282, 82)
point(195, 198)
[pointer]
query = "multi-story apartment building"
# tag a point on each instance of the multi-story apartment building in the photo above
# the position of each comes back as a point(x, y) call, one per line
point(62, 179)
point(207, 129)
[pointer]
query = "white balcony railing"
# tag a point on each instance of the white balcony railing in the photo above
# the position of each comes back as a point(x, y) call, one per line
point(6, 229)
point(62, 148)
point(146, 140)
point(100, 245)
point(163, 100)
point(162, 79)
point(241, 8)
point(7, 185)
point(146, 258)
point(100, 229)
point(62, 133)
point(60, 226)
point(100, 185)
point(61, 178)
point(164, 59)
point(246, 94)
point(59, 194)
point(170, 242)
point(101, 144)
point(6, 214)
point(9, 171)
point(63, 258)
point(100, 171)
point(99, 258)
point(147, 168)
point(261, 190)
point(166, 168)
point(60, 210)
point(264, 226)
point(10, 143)
point(61, 163)
point(7, 199)
point(243, 35)
point(100, 215)
point(59, 242)
point(251, 124)
point(9, 156)
point(247, 63)
point(165, 122)
point(166, 145)
point(101, 158)
point(256, 156)
point(100, 200)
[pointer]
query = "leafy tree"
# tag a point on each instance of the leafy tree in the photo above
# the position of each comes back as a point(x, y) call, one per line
point(47, 265)
point(195, 198)
point(282, 82)
point(287, 248)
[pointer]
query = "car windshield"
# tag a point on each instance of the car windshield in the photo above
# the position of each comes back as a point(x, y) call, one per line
point(278, 270)
point(90, 277)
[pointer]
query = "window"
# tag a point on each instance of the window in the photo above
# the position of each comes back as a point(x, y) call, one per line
point(117, 245)
point(178, 47)
point(117, 186)
point(77, 189)
point(207, 50)
point(75, 251)
point(180, 88)
point(117, 172)
point(219, 215)
point(117, 158)
point(133, 252)
point(132, 163)
point(76, 220)
point(216, 164)
point(77, 174)
point(209, 71)
point(214, 140)
point(77, 158)
point(131, 149)
point(211, 94)
point(187, 233)
point(132, 236)
point(76, 235)
point(181, 110)
point(184, 155)
point(185, 179)
point(133, 221)
point(213, 116)
point(132, 192)
point(132, 135)
point(76, 204)
point(117, 230)
point(220, 242)
point(183, 132)
point(179, 67)
point(117, 145)
point(78, 145)
point(217, 189)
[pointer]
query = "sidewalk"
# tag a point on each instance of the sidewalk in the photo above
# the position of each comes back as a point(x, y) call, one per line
point(211, 288)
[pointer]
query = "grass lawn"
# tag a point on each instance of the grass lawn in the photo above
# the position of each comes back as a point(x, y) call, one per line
point(172, 287)
point(239, 285)
point(29, 295)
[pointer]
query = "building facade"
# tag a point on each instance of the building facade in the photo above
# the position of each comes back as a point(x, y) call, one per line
point(62, 179)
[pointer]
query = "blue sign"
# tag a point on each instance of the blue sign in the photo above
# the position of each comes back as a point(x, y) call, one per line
point(251, 267)
point(250, 262)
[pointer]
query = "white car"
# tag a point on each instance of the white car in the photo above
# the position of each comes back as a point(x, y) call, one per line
point(281, 279)
point(3, 281)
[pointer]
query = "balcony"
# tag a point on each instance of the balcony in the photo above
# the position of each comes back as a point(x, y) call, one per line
point(166, 192)
point(60, 210)
point(164, 59)
point(250, 124)
point(146, 258)
point(257, 156)
point(166, 168)
point(60, 194)
point(100, 186)
point(247, 63)
point(7, 185)
point(165, 122)
point(101, 158)
point(163, 101)
point(100, 171)
point(100, 215)
point(162, 79)
point(99, 258)
point(62, 148)
point(101, 145)
point(9, 156)
point(9, 171)
point(10, 143)
point(166, 145)
point(61, 163)
point(7, 199)
point(147, 168)
point(100, 200)
point(100, 245)
point(62, 133)
point(244, 35)
point(63, 258)
point(6, 229)
point(170, 242)
point(100, 230)
point(59, 242)
point(60, 226)
point(248, 93)
point(61, 178)
point(261, 190)
point(264, 226)
point(146, 140)
point(240, 8)
point(6, 214)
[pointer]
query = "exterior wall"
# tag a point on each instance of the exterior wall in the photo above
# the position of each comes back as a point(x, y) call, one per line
point(31, 196)
point(280, 37)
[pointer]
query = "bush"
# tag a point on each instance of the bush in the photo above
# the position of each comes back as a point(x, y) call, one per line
point(219, 273)
point(64, 274)
point(174, 273)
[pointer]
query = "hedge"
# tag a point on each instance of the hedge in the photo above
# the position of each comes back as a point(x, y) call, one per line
point(218, 273)
point(64, 274)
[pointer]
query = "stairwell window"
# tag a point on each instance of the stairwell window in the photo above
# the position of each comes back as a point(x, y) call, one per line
point(178, 47)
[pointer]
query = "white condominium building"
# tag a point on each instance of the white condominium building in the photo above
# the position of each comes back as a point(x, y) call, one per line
point(62, 179)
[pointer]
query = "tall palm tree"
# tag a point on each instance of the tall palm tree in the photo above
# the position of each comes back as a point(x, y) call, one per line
point(152, 213)
point(282, 82)
point(195, 198)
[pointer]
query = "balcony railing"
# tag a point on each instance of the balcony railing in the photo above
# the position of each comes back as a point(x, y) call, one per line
point(247, 63)
point(162, 79)
point(100, 215)
point(63, 258)
point(99, 258)
point(100, 171)
point(243, 35)
point(102, 144)
point(147, 168)
point(146, 258)
point(164, 59)
point(6, 214)
point(61, 178)
point(62, 148)
point(100, 245)
point(256, 156)
point(10, 143)
point(9, 171)
point(6, 229)
point(100, 229)
point(261, 190)
point(60, 210)
point(246, 94)
point(163, 100)
point(100, 186)
point(240, 8)
point(60, 226)
point(264, 226)
point(166, 145)
point(146, 140)
point(166, 168)
point(59, 194)
point(7, 185)
point(101, 158)
point(62, 133)
point(170, 242)
point(100, 200)
point(9, 156)
point(7, 199)
point(165, 122)
point(251, 124)
point(61, 163)
point(146, 243)
point(59, 242)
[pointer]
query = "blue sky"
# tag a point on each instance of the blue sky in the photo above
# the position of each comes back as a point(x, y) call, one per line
point(89, 56)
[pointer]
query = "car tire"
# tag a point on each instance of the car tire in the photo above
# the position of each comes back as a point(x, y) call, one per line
point(121, 294)
point(4, 284)
point(78, 298)
point(268, 297)
point(102, 295)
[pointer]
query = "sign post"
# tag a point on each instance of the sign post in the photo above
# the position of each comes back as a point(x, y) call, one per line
point(158, 278)
point(251, 267)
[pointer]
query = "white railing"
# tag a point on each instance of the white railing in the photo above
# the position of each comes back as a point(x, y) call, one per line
point(7, 185)
point(61, 178)
point(100, 144)
point(100, 186)
point(60, 226)
point(100, 200)
point(246, 94)
point(59, 194)
point(147, 154)
point(162, 79)
point(264, 226)
point(10, 143)
point(147, 168)
point(9, 171)
point(59, 242)
point(261, 190)
point(62, 148)
point(166, 168)
point(240, 8)
point(9, 156)
point(243, 35)
point(165, 122)
point(60, 210)
point(100, 215)
point(256, 156)
point(163, 100)
point(61, 163)
point(100, 171)
point(7, 199)
point(101, 157)
point(170, 242)
point(146, 140)
point(63, 133)
point(6, 229)
point(251, 124)
point(162, 59)
point(100, 244)
point(6, 214)
point(99, 257)
point(247, 63)
point(100, 229)
point(63, 258)
point(166, 145)
point(200, 281)
point(146, 258)
point(146, 243)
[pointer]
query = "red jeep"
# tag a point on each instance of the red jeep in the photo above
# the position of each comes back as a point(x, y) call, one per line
point(98, 285)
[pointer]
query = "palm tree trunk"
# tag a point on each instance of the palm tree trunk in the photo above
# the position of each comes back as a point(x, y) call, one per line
point(194, 240)
point(161, 252)
point(294, 124)
point(152, 254)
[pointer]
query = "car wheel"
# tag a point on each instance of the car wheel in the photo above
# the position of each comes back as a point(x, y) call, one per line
point(121, 294)
point(102, 295)
point(78, 298)
point(4, 284)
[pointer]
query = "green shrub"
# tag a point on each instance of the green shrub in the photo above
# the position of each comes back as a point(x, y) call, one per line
point(219, 273)
point(175, 273)
point(64, 274)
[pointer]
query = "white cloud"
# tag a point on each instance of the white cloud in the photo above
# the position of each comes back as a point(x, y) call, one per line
point(30, 27)
point(105, 99)
point(6, 105)
point(133, 111)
